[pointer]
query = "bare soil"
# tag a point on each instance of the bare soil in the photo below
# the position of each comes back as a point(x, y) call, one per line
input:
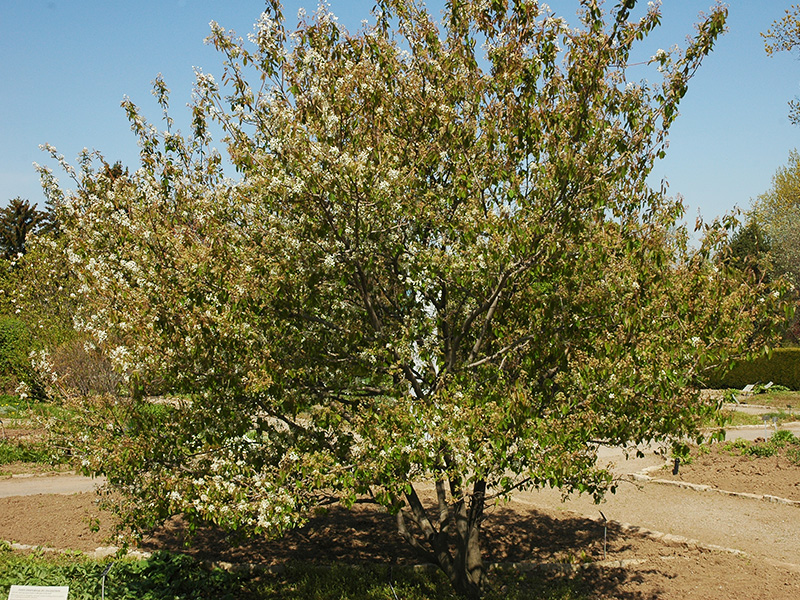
point(727, 469)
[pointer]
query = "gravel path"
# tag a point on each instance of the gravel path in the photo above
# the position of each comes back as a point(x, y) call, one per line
point(23, 485)
point(759, 528)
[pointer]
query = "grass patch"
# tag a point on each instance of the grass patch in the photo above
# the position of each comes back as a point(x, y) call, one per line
point(162, 576)
point(16, 414)
point(11, 407)
point(734, 418)
point(785, 399)
point(29, 452)
point(177, 577)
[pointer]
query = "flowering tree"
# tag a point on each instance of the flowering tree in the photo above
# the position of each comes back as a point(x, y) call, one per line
point(439, 271)
point(784, 35)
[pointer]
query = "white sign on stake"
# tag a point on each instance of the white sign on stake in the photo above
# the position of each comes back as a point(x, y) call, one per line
point(38, 592)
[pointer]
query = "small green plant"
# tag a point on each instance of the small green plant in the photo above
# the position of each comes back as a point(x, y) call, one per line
point(93, 523)
point(783, 437)
point(686, 455)
point(765, 388)
point(703, 449)
point(778, 388)
point(793, 455)
point(736, 446)
point(178, 577)
point(762, 450)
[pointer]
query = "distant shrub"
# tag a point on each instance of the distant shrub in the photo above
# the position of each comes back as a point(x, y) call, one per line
point(83, 371)
point(782, 368)
point(15, 347)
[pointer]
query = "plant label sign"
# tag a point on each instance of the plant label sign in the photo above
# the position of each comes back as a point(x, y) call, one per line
point(38, 592)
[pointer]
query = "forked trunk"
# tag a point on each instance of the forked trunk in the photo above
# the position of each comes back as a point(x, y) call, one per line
point(451, 541)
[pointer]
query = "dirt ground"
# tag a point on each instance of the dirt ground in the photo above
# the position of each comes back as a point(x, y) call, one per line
point(726, 469)
point(516, 532)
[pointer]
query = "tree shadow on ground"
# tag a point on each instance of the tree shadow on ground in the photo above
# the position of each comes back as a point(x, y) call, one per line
point(366, 535)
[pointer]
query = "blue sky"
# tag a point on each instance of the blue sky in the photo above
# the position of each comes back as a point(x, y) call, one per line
point(67, 64)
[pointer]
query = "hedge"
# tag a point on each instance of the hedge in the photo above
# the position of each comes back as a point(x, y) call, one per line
point(782, 368)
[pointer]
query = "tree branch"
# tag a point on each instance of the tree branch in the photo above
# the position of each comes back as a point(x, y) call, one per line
point(444, 509)
point(424, 553)
point(520, 342)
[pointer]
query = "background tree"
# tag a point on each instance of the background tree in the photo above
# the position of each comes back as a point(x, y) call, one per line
point(37, 305)
point(776, 213)
point(748, 250)
point(440, 273)
point(18, 335)
point(784, 35)
point(38, 297)
point(17, 221)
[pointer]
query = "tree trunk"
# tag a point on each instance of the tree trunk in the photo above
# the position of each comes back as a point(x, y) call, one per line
point(469, 572)
point(452, 542)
